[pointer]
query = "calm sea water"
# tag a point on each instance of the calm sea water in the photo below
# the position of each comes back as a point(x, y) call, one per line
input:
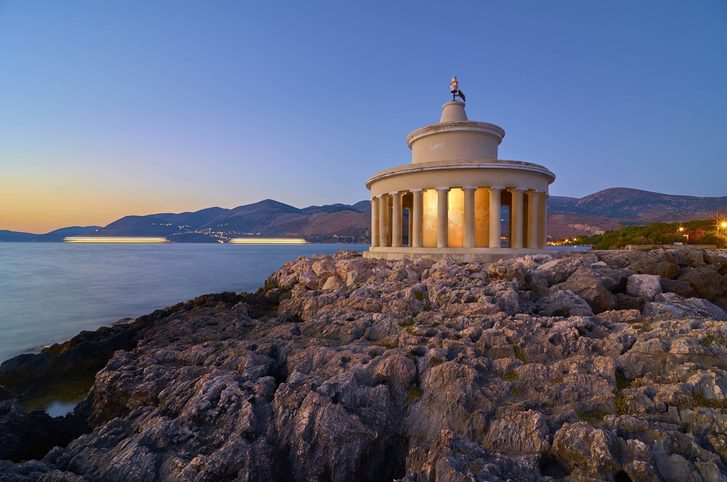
point(570, 248)
point(51, 291)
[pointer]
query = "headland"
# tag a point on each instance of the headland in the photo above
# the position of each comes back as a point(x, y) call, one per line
point(605, 365)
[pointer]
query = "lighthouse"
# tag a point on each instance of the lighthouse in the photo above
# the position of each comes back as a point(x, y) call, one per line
point(457, 198)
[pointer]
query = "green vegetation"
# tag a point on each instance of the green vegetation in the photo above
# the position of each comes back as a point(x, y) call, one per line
point(414, 393)
point(520, 354)
point(406, 323)
point(434, 361)
point(643, 327)
point(619, 402)
point(590, 416)
point(620, 405)
point(700, 401)
point(509, 376)
point(691, 232)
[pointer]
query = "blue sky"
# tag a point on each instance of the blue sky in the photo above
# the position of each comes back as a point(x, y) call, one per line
point(117, 107)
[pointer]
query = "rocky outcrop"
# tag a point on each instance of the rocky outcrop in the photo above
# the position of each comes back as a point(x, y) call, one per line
point(645, 286)
point(348, 369)
point(563, 303)
point(26, 376)
point(31, 435)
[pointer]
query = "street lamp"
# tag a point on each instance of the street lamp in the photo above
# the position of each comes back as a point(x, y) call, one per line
point(681, 230)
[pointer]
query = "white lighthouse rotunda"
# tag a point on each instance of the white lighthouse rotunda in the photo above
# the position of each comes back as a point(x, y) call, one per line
point(456, 198)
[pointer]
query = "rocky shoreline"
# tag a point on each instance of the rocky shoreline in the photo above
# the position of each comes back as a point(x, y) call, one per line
point(607, 365)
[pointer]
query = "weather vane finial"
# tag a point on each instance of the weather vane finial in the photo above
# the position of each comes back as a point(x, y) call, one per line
point(454, 89)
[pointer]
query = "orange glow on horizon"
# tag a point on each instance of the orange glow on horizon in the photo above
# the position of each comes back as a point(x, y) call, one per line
point(39, 203)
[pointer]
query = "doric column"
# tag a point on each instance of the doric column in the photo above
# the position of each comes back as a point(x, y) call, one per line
point(469, 216)
point(533, 209)
point(396, 220)
point(417, 215)
point(383, 235)
point(410, 226)
point(495, 194)
point(374, 222)
point(516, 218)
point(543, 220)
point(442, 219)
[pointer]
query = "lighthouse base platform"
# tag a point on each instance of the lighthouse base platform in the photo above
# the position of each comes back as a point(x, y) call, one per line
point(459, 254)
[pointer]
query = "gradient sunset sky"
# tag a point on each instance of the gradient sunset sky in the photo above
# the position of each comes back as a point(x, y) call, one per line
point(134, 107)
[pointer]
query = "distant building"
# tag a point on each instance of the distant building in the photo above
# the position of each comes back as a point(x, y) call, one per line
point(456, 198)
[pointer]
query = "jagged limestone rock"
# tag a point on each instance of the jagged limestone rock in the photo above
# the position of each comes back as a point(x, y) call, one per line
point(348, 369)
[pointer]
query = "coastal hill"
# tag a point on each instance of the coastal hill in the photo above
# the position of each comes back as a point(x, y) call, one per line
point(56, 235)
point(568, 216)
point(611, 208)
point(636, 205)
point(336, 222)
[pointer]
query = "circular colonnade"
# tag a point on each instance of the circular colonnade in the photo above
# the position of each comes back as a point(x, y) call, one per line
point(457, 198)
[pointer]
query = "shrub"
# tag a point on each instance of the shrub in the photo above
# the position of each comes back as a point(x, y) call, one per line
point(590, 416)
point(520, 354)
point(413, 394)
point(700, 401)
point(620, 405)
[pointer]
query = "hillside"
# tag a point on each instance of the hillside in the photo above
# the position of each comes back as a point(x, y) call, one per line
point(602, 211)
point(608, 209)
point(692, 232)
point(335, 222)
point(56, 235)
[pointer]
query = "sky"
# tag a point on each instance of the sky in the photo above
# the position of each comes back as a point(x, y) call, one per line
point(135, 107)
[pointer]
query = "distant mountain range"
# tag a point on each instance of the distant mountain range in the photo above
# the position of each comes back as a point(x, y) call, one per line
point(604, 210)
point(330, 223)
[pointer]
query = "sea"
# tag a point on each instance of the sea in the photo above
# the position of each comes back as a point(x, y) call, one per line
point(49, 292)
